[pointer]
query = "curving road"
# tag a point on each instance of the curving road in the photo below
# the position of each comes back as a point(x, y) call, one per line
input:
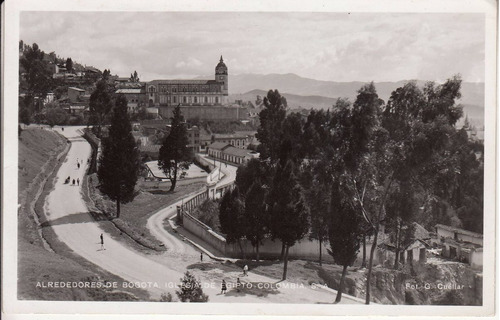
point(68, 215)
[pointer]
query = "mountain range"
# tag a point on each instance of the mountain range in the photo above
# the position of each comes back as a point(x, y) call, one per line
point(319, 94)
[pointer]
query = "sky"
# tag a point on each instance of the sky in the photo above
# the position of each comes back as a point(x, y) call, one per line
point(322, 46)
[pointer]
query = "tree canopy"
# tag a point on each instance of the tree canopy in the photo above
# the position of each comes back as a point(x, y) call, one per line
point(100, 104)
point(175, 156)
point(119, 161)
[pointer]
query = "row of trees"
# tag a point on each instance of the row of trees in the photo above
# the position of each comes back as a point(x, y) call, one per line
point(346, 172)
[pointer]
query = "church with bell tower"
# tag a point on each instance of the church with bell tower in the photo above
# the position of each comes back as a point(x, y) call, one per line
point(190, 92)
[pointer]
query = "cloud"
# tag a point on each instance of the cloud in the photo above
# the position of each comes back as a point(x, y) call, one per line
point(325, 46)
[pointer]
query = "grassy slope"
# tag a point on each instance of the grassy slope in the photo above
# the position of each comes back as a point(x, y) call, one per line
point(36, 264)
point(134, 215)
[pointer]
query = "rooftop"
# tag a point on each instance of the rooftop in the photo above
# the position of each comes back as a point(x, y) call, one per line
point(76, 89)
point(136, 91)
point(460, 231)
point(237, 151)
point(150, 148)
point(219, 146)
point(180, 81)
point(230, 136)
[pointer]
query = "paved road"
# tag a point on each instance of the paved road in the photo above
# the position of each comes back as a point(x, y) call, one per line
point(69, 217)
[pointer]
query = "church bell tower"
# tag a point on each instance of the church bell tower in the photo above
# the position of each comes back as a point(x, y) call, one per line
point(221, 77)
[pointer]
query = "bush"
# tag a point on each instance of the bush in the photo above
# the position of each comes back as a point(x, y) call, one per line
point(166, 297)
point(191, 289)
point(76, 120)
point(208, 213)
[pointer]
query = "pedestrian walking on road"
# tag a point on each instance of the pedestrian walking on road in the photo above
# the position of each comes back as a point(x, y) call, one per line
point(224, 287)
point(102, 242)
point(245, 270)
point(78, 181)
point(201, 256)
point(78, 165)
point(73, 181)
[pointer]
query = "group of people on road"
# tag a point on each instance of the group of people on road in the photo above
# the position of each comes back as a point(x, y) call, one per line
point(77, 181)
point(68, 180)
point(238, 281)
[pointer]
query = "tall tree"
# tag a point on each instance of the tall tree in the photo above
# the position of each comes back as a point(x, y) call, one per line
point(256, 215)
point(354, 139)
point(105, 74)
point(254, 169)
point(55, 115)
point(69, 65)
point(134, 77)
point(401, 209)
point(37, 77)
point(319, 204)
point(119, 162)
point(270, 130)
point(409, 141)
point(175, 156)
point(100, 104)
point(289, 219)
point(343, 231)
point(291, 140)
point(315, 172)
point(232, 218)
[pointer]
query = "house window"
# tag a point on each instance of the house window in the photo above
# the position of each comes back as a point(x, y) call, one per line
point(184, 99)
point(216, 99)
point(206, 99)
point(174, 89)
point(195, 99)
point(175, 99)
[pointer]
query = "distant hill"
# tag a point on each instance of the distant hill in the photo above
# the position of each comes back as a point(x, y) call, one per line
point(310, 93)
point(294, 101)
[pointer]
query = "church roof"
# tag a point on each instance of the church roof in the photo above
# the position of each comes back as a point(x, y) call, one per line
point(180, 81)
point(221, 63)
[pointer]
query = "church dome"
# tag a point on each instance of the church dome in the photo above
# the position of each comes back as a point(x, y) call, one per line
point(221, 67)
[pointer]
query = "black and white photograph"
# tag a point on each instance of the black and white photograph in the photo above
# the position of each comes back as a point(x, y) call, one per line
point(311, 159)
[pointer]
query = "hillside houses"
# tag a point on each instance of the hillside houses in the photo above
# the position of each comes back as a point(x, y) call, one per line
point(460, 244)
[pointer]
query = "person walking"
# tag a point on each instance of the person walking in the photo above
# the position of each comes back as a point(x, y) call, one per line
point(102, 242)
point(245, 270)
point(201, 256)
point(224, 287)
point(73, 181)
point(78, 181)
point(78, 165)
